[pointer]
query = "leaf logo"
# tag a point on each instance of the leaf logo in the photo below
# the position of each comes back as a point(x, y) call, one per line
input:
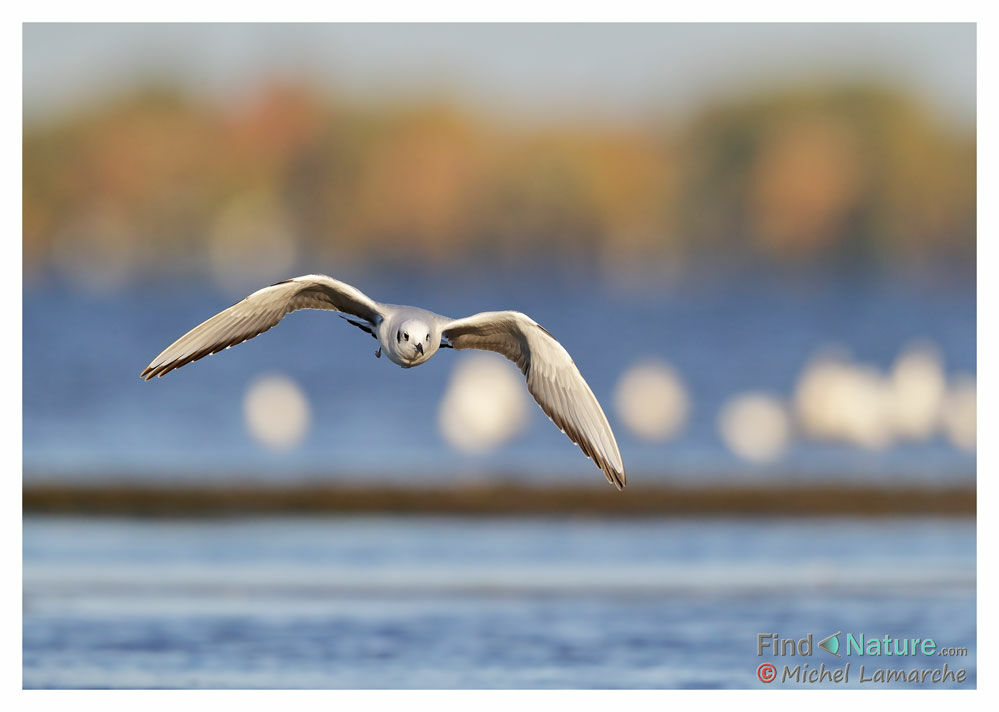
point(831, 644)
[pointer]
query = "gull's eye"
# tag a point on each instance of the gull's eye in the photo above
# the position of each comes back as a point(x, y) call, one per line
point(405, 336)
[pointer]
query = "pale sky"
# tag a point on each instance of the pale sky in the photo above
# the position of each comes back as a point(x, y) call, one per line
point(621, 71)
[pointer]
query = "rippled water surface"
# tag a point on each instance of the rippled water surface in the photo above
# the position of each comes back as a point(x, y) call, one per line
point(471, 603)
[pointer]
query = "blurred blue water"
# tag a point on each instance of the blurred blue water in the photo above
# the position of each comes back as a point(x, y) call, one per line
point(87, 414)
point(420, 602)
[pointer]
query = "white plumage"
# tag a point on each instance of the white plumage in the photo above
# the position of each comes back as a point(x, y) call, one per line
point(409, 336)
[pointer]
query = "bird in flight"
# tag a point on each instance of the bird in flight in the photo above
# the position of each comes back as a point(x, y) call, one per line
point(409, 336)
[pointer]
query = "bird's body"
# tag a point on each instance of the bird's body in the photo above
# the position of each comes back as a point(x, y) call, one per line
point(409, 336)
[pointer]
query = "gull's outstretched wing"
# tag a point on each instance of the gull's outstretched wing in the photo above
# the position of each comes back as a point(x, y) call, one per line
point(258, 313)
point(552, 378)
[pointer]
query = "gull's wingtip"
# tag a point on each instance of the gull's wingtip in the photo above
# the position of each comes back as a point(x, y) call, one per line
point(616, 478)
point(149, 371)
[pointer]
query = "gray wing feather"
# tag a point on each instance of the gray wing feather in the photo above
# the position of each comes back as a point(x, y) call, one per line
point(552, 378)
point(259, 312)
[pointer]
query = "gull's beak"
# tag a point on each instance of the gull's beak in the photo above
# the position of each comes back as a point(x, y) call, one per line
point(419, 347)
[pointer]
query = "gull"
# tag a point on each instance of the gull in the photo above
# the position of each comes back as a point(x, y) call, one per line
point(409, 336)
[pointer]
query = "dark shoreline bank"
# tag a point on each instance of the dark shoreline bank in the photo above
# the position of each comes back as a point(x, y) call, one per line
point(188, 500)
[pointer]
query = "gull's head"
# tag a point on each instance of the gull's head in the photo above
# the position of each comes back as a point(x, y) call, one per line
point(415, 342)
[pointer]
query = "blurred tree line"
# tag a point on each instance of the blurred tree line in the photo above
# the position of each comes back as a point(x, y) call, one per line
point(853, 173)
